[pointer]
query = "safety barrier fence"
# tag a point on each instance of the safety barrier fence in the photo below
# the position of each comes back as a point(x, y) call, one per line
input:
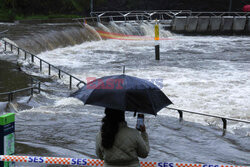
point(34, 85)
point(154, 14)
point(41, 62)
point(224, 119)
point(97, 162)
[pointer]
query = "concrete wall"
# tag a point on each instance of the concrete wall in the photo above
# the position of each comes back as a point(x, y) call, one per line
point(214, 23)
point(179, 24)
point(227, 23)
point(247, 28)
point(239, 23)
point(192, 22)
point(203, 22)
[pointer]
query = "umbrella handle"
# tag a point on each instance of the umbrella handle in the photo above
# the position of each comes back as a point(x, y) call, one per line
point(134, 114)
point(123, 71)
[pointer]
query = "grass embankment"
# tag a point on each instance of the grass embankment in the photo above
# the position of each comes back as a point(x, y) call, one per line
point(46, 17)
point(9, 17)
point(5, 16)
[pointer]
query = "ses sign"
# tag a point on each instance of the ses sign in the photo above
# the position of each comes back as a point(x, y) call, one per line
point(74, 161)
point(165, 164)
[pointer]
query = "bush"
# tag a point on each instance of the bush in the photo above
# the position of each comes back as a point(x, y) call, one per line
point(7, 15)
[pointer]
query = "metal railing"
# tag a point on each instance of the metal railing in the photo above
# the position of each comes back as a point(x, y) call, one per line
point(3, 31)
point(151, 15)
point(224, 119)
point(41, 62)
point(220, 14)
point(135, 15)
point(36, 85)
point(140, 15)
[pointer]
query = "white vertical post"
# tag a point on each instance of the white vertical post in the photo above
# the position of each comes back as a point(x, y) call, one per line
point(230, 6)
point(91, 7)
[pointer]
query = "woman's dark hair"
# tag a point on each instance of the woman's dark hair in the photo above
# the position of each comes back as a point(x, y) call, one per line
point(110, 125)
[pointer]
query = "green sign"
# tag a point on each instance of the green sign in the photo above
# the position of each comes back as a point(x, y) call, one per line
point(7, 118)
point(9, 144)
point(9, 164)
point(7, 137)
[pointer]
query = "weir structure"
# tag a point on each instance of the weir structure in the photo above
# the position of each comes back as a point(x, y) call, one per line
point(212, 23)
point(183, 21)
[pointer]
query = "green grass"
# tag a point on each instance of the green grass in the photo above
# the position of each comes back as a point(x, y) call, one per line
point(6, 16)
point(46, 17)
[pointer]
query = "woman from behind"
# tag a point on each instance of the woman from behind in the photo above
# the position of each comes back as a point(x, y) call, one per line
point(119, 145)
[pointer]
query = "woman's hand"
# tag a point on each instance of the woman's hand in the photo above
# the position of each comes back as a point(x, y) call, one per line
point(143, 128)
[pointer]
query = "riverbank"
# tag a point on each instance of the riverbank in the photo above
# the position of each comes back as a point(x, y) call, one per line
point(6, 16)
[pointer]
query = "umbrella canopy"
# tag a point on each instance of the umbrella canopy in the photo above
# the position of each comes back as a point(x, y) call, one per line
point(125, 93)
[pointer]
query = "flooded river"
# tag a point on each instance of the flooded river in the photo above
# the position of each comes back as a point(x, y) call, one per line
point(207, 74)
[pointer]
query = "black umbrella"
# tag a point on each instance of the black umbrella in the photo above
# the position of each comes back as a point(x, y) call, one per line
point(125, 93)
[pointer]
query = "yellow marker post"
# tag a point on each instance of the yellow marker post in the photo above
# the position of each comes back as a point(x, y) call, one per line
point(157, 32)
point(157, 46)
